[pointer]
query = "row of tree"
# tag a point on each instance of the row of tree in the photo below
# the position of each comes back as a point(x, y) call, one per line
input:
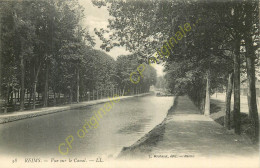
point(44, 49)
point(221, 46)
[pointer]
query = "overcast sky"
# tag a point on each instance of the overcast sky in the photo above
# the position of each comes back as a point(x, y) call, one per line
point(98, 18)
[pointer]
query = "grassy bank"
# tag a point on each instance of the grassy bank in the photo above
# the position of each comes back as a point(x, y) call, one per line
point(217, 109)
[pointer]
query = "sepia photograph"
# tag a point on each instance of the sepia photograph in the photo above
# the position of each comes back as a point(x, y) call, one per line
point(129, 83)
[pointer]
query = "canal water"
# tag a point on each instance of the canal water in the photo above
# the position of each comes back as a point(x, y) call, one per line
point(128, 121)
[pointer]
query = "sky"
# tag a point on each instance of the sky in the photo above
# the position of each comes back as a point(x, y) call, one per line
point(98, 18)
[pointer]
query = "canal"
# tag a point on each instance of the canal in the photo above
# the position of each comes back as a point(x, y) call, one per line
point(128, 121)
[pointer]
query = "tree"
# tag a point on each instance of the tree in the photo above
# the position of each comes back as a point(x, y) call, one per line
point(23, 45)
point(44, 30)
point(252, 19)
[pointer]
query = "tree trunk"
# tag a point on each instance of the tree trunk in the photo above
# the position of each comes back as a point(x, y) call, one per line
point(123, 91)
point(34, 93)
point(250, 65)
point(30, 98)
point(236, 113)
point(22, 94)
point(65, 99)
point(203, 100)
point(46, 88)
point(8, 94)
point(15, 98)
point(54, 98)
point(113, 92)
point(26, 96)
point(7, 97)
point(228, 101)
point(12, 94)
point(77, 85)
point(252, 104)
point(59, 101)
point(36, 73)
point(70, 96)
point(18, 95)
point(207, 100)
